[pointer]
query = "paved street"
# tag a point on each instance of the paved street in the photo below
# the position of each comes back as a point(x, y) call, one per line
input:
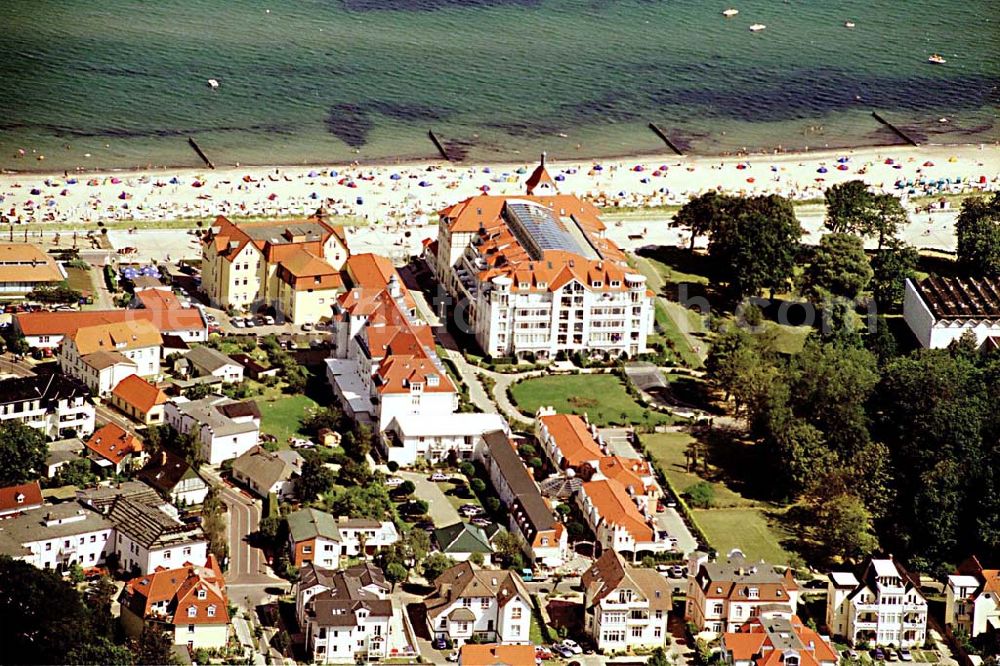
point(440, 509)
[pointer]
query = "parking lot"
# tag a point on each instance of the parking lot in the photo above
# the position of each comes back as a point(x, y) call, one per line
point(440, 509)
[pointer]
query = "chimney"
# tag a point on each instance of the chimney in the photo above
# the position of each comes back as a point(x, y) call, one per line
point(163, 457)
point(543, 159)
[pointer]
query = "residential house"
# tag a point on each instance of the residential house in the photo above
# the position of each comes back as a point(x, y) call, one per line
point(315, 536)
point(225, 428)
point(346, 616)
point(625, 608)
point(147, 537)
point(62, 452)
point(723, 595)
point(103, 355)
point(618, 522)
point(175, 480)
point(541, 276)
point(531, 516)
point(208, 361)
point(264, 473)
point(25, 267)
point(461, 541)
point(972, 599)
point(112, 448)
point(490, 604)
point(941, 309)
point(20, 498)
point(410, 437)
point(291, 266)
point(884, 607)
point(47, 330)
point(777, 639)
point(58, 536)
point(384, 362)
point(139, 400)
point(55, 404)
point(253, 368)
point(494, 654)
point(188, 601)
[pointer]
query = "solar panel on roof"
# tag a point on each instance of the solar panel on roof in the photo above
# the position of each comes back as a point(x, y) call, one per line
point(539, 229)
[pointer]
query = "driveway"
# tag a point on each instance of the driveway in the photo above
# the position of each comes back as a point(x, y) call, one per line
point(672, 522)
point(440, 509)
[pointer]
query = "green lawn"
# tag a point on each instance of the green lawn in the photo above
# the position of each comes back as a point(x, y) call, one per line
point(745, 528)
point(79, 279)
point(668, 448)
point(602, 397)
point(280, 415)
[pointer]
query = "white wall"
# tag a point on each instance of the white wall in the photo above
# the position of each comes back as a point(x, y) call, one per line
point(91, 548)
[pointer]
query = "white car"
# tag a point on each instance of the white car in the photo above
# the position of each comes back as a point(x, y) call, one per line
point(453, 657)
point(572, 646)
point(394, 482)
point(238, 323)
point(269, 320)
point(438, 476)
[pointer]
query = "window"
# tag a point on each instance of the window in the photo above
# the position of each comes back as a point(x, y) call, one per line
point(48, 546)
point(754, 593)
point(192, 611)
point(190, 628)
point(515, 629)
point(636, 632)
point(307, 550)
point(187, 550)
point(93, 538)
point(515, 613)
point(166, 554)
point(211, 611)
point(202, 594)
point(659, 615)
point(658, 632)
point(717, 609)
point(467, 602)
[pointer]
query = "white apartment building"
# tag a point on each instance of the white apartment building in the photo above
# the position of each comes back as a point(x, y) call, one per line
point(346, 615)
point(103, 355)
point(940, 310)
point(885, 607)
point(972, 599)
point(625, 607)
point(226, 428)
point(146, 537)
point(723, 595)
point(55, 404)
point(617, 520)
point(537, 275)
point(490, 604)
point(58, 536)
point(410, 437)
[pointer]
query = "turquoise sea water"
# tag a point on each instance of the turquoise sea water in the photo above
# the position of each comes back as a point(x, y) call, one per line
point(311, 81)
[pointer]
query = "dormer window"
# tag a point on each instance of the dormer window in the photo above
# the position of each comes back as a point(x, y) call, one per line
point(211, 610)
point(192, 611)
point(433, 380)
point(202, 594)
point(524, 285)
point(616, 283)
point(753, 593)
point(543, 285)
point(19, 498)
point(597, 284)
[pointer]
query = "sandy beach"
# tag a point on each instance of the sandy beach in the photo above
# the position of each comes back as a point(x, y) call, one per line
point(390, 197)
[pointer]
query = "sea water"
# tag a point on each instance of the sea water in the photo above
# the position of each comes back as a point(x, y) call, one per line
point(123, 83)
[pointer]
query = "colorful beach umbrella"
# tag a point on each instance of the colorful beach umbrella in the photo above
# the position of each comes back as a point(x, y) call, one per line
point(822, 169)
point(395, 176)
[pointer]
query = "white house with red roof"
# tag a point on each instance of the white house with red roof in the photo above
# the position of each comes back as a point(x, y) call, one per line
point(883, 607)
point(777, 639)
point(112, 447)
point(20, 498)
point(972, 599)
point(538, 275)
point(190, 602)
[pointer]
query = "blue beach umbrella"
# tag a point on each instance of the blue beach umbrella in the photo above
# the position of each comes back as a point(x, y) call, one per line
point(395, 176)
point(424, 183)
point(598, 167)
point(522, 170)
point(560, 178)
point(821, 170)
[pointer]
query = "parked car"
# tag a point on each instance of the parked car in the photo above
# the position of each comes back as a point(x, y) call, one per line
point(572, 646)
point(453, 657)
point(394, 482)
point(249, 322)
point(479, 521)
point(905, 654)
point(237, 322)
point(307, 327)
point(852, 655)
point(269, 320)
point(438, 476)
point(214, 328)
point(878, 655)
point(676, 571)
point(440, 644)
point(663, 568)
point(541, 652)
point(890, 655)
point(561, 651)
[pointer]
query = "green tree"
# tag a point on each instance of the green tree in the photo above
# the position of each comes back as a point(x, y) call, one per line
point(154, 647)
point(419, 543)
point(396, 573)
point(436, 564)
point(36, 609)
point(839, 267)
point(978, 230)
point(213, 522)
point(77, 472)
point(99, 651)
point(315, 479)
point(701, 213)
point(891, 266)
point(852, 209)
point(507, 547)
point(15, 341)
point(329, 418)
point(370, 501)
point(198, 391)
point(405, 489)
point(658, 658)
point(23, 451)
point(754, 243)
point(844, 527)
point(700, 495)
point(477, 558)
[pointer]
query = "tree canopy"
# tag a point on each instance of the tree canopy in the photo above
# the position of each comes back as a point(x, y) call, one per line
point(851, 208)
point(839, 267)
point(700, 213)
point(23, 451)
point(978, 230)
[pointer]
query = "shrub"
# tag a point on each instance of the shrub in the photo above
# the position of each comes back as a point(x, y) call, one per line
point(700, 495)
point(478, 486)
point(393, 466)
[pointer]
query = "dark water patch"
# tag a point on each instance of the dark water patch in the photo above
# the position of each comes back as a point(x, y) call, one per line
point(63, 131)
point(350, 123)
point(457, 149)
point(430, 5)
point(524, 129)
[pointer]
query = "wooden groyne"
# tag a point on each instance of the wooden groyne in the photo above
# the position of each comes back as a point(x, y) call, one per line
point(660, 133)
point(903, 135)
point(438, 145)
point(201, 153)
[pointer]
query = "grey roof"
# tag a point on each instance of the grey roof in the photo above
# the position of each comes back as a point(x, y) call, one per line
point(738, 569)
point(961, 298)
point(528, 509)
point(149, 526)
point(263, 468)
point(345, 595)
point(538, 229)
point(64, 450)
point(102, 497)
point(209, 411)
point(105, 358)
point(49, 388)
point(54, 521)
point(166, 470)
point(462, 538)
point(209, 360)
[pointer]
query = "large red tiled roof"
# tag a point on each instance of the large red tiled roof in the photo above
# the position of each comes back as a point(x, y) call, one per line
point(137, 392)
point(112, 443)
point(67, 323)
point(30, 495)
point(179, 590)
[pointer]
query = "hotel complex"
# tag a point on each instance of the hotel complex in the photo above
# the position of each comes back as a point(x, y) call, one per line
point(539, 275)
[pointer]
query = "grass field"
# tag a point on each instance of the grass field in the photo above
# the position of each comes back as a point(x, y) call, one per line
point(745, 528)
point(602, 397)
point(79, 279)
point(281, 414)
point(668, 449)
